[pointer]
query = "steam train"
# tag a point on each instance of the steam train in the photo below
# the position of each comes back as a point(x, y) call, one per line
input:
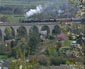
point(81, 20)
point(34, 21)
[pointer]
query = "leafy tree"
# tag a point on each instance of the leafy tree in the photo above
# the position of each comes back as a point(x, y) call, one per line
point(21, 61)
point(22, 32)
point(56, 30)
point(23, 45)
point(9, 33)
point(34, 29)
point(56, 56)
point(34, 39)
point(78, 51)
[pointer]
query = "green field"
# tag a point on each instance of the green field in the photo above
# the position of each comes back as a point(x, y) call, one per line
point(31, 3)
point(3, 56)
point(12, 18)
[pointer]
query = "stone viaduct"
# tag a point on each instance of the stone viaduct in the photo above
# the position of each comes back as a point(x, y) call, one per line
point(15, 26)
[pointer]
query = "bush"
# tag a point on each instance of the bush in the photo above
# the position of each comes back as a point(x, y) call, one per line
point(57, 60)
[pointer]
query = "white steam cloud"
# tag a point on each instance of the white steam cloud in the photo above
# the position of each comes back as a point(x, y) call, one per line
point(60, 11)
point(39, 9)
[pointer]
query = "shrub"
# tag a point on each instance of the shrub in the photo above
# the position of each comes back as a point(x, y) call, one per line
point(43, 60)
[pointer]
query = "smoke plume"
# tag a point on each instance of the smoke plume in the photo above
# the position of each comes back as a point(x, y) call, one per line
point(39, 9)
point(47, 8)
